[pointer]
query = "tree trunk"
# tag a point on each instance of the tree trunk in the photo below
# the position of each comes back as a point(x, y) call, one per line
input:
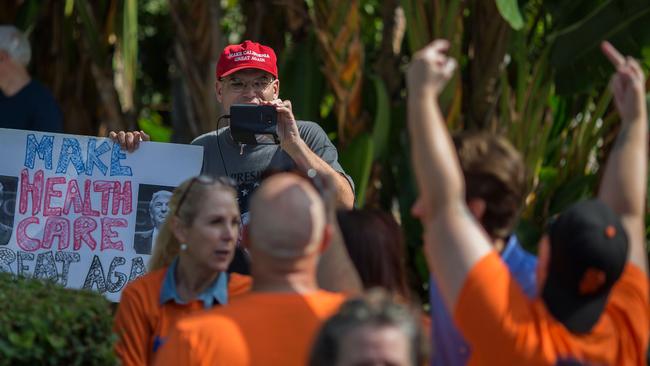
point(196, 51)
point(488, 44)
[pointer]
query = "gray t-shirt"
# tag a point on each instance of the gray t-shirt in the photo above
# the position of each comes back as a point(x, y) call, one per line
point(222, 156)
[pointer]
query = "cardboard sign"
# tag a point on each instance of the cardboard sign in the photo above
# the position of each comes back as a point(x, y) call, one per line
point(80, 211)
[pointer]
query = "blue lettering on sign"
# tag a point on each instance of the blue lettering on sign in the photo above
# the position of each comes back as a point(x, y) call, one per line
point(93, 156)
point(116, 168)
point(43, 149)
point(70, 153)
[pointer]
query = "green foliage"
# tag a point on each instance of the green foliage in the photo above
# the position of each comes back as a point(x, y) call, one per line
point(44, 324)
point(357, 159)
point(509, 10)
point(381, 127)
point(302, 82)
point(580, 26)
point(151, 122)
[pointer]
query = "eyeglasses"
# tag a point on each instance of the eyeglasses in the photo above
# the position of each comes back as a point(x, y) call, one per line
point(205, 179)
point(258, 85)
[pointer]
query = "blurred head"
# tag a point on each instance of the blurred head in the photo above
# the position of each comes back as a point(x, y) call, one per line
point(287, 220)
point(371, 330)
point(159, 207)
point(14, 45)
point(495, 178)
point(205, 217)
point(375, 244)
point(247, 73)
point(580, 259)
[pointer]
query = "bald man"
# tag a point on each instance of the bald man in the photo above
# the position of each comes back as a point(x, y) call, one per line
point(276, 322)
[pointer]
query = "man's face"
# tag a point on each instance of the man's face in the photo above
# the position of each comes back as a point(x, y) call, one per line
point(238, 88)
point(160, 208)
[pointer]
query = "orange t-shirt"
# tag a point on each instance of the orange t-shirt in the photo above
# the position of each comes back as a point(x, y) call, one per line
point(503, 327)
point(254, 329)
point(141, 318)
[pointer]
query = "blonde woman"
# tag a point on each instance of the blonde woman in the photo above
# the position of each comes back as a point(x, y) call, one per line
point(187, 268)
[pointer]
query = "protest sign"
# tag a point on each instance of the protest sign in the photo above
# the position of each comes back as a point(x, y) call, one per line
point(80, 211)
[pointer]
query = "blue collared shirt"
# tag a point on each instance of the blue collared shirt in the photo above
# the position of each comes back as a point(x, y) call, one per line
point(217, 293)
point(450, 348)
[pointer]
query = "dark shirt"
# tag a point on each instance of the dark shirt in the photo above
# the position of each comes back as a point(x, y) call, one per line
point(32, 108)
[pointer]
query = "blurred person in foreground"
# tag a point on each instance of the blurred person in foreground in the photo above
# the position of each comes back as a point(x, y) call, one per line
point(25, 103)
point(592, 272)
point(373, 329)
point(276, 322)
point(495, 189)
point(187, 269)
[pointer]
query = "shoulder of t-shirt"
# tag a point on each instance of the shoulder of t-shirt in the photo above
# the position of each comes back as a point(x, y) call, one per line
point(239, 284)
point(148, 285)
point(330, 295)
point(633, 276)
point(482, 270)
point(36, 86)
point(308, 128)
point(207, 137)
point(333, 298)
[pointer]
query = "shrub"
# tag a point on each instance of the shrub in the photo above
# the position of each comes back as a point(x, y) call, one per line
point(42, 323)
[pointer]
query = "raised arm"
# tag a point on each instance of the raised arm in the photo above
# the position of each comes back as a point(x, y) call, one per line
point(336, 272)
point(454, 241)
point(624, 183)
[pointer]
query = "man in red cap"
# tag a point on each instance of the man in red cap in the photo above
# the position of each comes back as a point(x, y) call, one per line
point(247, 73)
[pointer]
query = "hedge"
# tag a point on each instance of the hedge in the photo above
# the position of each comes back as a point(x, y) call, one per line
point(42, 323)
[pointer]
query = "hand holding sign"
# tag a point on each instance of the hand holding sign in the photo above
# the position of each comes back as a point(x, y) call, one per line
point(129, 140)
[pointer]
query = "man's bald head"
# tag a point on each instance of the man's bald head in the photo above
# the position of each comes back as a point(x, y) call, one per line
point(287, 217)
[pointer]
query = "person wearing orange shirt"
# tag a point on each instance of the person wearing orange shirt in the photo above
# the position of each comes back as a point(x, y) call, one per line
point(276, 322)
point(187, 268)
point(592, 271)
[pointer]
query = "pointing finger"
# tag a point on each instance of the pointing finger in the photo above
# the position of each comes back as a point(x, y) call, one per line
point(612, 54)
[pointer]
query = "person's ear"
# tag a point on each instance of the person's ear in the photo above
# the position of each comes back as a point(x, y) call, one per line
point(276, 88)
point(477, 207)
point(328, 231)
point(218, 86)
point(178, 228)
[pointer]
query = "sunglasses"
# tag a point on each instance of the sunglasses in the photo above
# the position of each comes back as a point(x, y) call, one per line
point(205, 180)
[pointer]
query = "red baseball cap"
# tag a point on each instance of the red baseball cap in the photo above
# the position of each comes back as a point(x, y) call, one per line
point(247, 55)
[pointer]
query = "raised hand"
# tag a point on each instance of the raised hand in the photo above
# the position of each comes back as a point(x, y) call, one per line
point(627, 84)
point(129, 140)
point(431, 67)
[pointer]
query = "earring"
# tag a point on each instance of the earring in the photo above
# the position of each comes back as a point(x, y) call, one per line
point(183, 247)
